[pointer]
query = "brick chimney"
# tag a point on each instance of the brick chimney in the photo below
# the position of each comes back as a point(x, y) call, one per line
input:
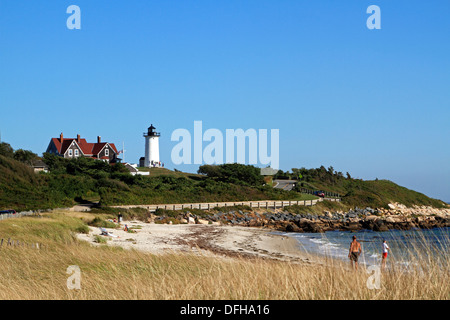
point(99, 139)
point(61, 137)
point(78, 138)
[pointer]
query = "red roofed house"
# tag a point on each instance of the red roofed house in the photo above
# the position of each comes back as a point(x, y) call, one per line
point(73, 148)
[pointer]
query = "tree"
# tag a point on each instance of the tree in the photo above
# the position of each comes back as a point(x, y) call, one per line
point(120, 168)
point(25, 156)
point(6, 150)
point(211, 171)
point(233, 173)
point(55, 164)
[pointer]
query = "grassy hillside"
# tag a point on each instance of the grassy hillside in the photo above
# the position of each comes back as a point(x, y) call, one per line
point(357, 192)
point(21, 188)
point(71, 181)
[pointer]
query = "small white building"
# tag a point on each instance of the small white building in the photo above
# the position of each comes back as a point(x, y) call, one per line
point(134, 170)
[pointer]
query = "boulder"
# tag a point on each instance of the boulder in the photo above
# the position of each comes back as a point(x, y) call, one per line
point(353, 226)
point(410, 225)
point(380, 227)
point(352, 215)
point(202, 221)
point(392, 206)
point(313, 227)
point(190, 220)
point(291, 227)
point(255, 223)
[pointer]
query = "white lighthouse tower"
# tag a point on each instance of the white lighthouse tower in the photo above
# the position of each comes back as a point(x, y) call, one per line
point(151, 158)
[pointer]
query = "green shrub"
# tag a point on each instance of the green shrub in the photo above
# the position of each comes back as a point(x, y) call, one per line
point(82, 229)
point(100, 239)
point(167, 213)
point(233, 208)
point(101, 223)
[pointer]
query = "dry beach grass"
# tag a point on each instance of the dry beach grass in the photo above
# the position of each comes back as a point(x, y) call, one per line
point(208, 272)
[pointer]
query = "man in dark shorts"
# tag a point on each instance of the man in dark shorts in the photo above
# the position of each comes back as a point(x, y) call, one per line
point(354, 252)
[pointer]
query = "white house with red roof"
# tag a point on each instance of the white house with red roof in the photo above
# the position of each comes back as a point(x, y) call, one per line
point(77, 147)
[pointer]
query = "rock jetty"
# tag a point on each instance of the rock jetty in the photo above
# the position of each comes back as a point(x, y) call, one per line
point(396, 217)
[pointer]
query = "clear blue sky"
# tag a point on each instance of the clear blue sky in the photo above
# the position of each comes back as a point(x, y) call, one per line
point(375, 103)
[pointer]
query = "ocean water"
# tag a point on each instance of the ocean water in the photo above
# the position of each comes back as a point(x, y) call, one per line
point(405, 245)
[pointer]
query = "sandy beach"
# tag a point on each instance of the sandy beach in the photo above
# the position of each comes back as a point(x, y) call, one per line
point(211, 240)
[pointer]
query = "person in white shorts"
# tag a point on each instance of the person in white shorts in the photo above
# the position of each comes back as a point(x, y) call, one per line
point(385, 253)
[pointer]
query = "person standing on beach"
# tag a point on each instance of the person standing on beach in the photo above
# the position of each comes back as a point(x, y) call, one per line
point(385, 252)
point(119, 218)
point(354, 252)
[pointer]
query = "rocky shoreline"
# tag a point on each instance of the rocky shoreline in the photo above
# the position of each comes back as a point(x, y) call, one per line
point(397, 217)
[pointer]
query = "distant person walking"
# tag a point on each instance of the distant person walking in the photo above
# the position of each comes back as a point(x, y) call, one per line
point(385, 253)
point(120, 218)
point(354, 252)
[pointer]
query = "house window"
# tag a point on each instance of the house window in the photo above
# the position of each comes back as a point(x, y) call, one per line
point(76, 153)
point(70, 152)
point(107, 152)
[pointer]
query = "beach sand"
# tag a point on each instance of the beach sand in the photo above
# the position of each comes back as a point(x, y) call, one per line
point(210, 240)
